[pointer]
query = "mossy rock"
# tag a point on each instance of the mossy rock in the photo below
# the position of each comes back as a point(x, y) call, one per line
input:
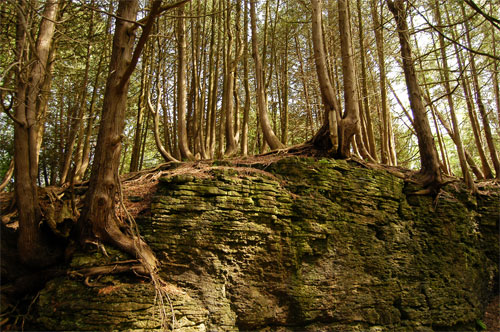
point(311, 245)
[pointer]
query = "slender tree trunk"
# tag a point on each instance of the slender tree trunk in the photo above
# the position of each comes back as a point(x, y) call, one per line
point(269, 136)
point(364, 87)
point(284, 86)
point(229, 75)
point(430, 171)
point(141, 107)
point(307, 99)
point(379, 39)
point(454, 121)
point(156, 120)
point(445, 166)
point(34, 248)
point(82, 158)
point(144, 136)
point(181, 87)
point(246, 107)
point(479, 101)
point(475, 169)
point(43, 104)
point(212, 84)
point(83, 145)
point(495, 69)
point(328, 135)
point(77, 123)
point(474, 123)
point(350, 125)
point(213, 111)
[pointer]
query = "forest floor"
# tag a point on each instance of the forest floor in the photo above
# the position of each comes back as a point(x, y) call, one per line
point(492, 315)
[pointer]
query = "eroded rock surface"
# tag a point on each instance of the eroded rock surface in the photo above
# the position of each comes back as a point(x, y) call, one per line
point(300, 244)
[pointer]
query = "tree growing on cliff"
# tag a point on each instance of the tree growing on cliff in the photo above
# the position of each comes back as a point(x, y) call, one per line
point(98, 219)
point(339, 128)
point(430, 170)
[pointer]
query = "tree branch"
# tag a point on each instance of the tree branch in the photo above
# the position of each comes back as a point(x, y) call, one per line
point(491, 19)
point(452, 40)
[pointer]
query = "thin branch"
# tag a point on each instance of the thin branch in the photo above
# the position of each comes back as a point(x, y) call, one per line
point(452, 40)
point(13, 118)
point(7, 70)
point(137, 23)
point(164, 9)
point(8, 175)
point(494, 21)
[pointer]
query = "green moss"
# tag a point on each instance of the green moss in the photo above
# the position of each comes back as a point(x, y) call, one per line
point(330, 245)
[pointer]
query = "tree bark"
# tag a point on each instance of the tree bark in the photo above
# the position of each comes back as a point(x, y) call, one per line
point(156, 120)
point(454, 121)
point(98, 219)
point(379, 39)
point(349, 125)
point(430, 171)
point(141, 107)
point(76, 124)
point(475, 169)
point(34, 248)
point(181, 87)
point(479, 102)
point(269, 135)
point(307, 99)
point(486, 170)
point(364, 87)
point(246, 85)
point(327, 136)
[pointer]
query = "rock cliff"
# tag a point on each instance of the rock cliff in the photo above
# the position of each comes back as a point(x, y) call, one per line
point(296, 245)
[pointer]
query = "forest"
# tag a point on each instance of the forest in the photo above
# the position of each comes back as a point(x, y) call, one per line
point(95, 89)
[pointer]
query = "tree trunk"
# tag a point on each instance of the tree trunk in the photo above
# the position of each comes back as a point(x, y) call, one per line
point(212, 85)
point(477, 172)
point(379, 39)
point(454, 121)
point(82, 158)
point(141, 107)
point(269, 136)
point(83, 146)
point(309, 116)
point(479, 102)
point(181, 87)
point(34, 248)
point(350, 120)
point(495, 69)
point(327, 137)
point(470, 108)
point(246, 107)
point(229, 80)
point(364, 87)
point(284, 86)
point(472, 116)
point(156, 120)
point(430, 171)
point(98, 219)
point(76, 124)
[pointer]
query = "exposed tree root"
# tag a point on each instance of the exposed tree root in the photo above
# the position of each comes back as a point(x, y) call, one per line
point(117, 268)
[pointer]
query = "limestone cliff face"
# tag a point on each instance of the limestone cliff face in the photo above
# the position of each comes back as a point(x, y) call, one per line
point(298, 245)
